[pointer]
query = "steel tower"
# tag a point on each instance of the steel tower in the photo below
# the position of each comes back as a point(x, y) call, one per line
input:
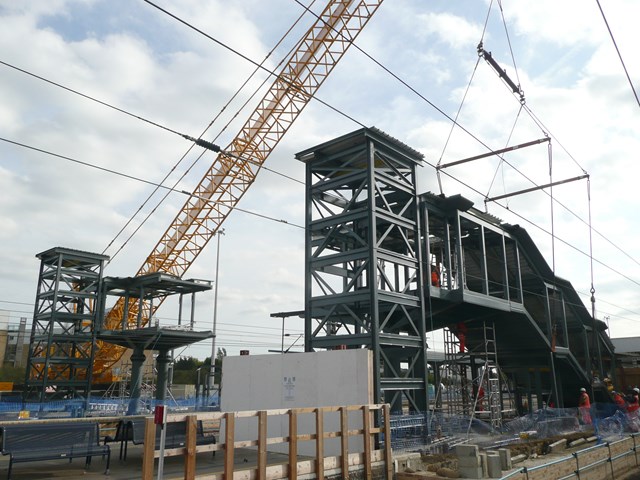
point(363, 276)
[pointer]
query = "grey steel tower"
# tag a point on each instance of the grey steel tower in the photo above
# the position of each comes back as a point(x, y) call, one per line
point(363, 275)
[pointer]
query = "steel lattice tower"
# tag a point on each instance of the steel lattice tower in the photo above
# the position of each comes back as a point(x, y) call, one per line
point(63, 332)
point(363, 278)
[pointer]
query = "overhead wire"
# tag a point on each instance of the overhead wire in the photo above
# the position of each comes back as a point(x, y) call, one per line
point(500, 163)
point(151, 122)
point(142, 180)
point(418, 95)
point(403, 83)
point(259, 66)
point(615, 44)
point(464, 97)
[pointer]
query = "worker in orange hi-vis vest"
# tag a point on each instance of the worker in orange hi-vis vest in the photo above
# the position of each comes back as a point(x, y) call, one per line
point(584, 404)
point(435, 276)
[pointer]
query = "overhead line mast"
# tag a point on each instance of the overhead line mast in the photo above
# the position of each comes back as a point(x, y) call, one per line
point(237, 165)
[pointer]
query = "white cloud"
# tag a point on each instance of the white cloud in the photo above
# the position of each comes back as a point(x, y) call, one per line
point(140, 60)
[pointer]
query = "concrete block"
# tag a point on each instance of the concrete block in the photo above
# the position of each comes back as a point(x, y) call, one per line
point(494, 469)
point(466, 450)
point(407, 460)
point(518, 458)
point(577, 442)
point(591, 439)
point(471, 472)
point(469, 461)
point(558, 446)
point(505, 458)
point(483, 461)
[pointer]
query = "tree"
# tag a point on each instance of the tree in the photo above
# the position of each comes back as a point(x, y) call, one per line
point(186, 363)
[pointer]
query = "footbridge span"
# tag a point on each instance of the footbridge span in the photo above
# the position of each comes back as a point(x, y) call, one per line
point(385, 265)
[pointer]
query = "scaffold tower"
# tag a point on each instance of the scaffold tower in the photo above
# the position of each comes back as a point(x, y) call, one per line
point(456, 375)
point(63, 331)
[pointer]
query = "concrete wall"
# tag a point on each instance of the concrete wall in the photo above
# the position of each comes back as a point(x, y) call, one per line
point(319, 379)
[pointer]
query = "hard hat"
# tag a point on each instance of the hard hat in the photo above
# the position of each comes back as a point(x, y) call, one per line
point(637, 390)
point(583, 389)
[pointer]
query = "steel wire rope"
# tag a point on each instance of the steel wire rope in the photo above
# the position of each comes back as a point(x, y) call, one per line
point(495, 174)
point(224, 128)
point(439, 110)
point(473, 136)
point(530, 222)
point(615, 44)
point(553, 244)
point(361, 124)
point(142, 180)
point(604, 237)
point(547, 131)
point(506, 33)
point(416, 93)
point(464, 97)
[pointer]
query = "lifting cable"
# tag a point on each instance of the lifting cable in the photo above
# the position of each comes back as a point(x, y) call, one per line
point(502, 161)
point(553, 234)
point(516, 89)
point(592, 291)
point(464, 97)
point(199, 141)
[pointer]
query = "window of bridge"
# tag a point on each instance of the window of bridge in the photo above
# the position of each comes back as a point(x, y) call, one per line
point(560, 335)
point(441, 251)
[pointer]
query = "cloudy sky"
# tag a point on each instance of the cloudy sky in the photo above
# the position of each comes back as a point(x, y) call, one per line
point(129, 54)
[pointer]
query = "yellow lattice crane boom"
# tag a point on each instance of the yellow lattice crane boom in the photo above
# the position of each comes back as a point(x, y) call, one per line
point(233, 171)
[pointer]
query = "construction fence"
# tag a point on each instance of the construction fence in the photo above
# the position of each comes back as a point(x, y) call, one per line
point(437, 432)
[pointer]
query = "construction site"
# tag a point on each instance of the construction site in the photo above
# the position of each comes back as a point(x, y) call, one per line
point(525, 383)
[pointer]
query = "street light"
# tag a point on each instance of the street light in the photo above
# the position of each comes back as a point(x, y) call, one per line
point(198, 386)
point(212, 371)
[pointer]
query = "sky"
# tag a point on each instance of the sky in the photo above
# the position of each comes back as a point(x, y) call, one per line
point(134, 57)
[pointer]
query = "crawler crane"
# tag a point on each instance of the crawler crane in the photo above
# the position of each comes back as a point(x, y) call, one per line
point(236, 167)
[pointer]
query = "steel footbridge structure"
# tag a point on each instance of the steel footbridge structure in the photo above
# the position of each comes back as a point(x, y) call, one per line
point(385, 265)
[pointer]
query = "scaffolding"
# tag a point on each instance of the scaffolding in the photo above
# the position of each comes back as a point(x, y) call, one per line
point(471, 390)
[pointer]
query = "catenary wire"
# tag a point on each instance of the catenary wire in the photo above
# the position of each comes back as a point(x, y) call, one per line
point(156, 124)
point(615, 44)
point(142, 180)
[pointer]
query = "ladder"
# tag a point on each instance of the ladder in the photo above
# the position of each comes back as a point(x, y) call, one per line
point(491, 377)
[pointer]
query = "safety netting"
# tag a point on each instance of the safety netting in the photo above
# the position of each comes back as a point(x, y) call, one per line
point(436, 432)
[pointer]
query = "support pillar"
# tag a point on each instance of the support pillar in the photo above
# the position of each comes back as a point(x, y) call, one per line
point(162, 364)
point(137, 360)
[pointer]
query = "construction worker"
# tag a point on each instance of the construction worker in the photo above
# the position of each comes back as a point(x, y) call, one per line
point(634, 401)
point(435, 276)
point(584, 405)
point(461, 333)
point(619, 401)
